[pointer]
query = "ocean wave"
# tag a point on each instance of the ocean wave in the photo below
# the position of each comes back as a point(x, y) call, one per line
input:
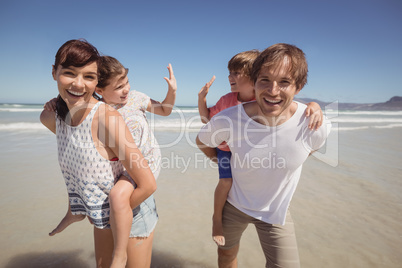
point(327, 112)
point(177, 125)
point(389, 126)
point(179, 111)
point(22, 126)
point(12, 105)
point(185, 110)
point(349, 128)
point(365, 120)
point(181, 124)
point(194, 124)
point(387, 113)
point(13, 110)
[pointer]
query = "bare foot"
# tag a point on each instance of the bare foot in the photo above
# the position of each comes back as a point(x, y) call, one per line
point(65, 222)
point(217, 232)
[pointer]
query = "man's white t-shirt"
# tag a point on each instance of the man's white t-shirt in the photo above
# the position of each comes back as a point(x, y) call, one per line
point(266, 161)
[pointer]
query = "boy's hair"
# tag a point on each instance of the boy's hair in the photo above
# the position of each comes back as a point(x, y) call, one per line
point(243, 61)
point(109, 67)
point(273, 57)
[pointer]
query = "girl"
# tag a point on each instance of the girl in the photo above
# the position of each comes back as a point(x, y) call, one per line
point(114, 88)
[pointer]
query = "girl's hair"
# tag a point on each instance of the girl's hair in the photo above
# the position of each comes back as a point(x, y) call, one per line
point(109, 67)
point(75, 53)
point(274, 56)
point(243, 61)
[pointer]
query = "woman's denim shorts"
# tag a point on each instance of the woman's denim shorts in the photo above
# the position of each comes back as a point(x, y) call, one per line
point(145, 218)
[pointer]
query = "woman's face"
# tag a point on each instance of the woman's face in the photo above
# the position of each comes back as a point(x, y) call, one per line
point(76, 84)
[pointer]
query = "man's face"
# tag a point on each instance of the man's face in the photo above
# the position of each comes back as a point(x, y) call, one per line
point(275, 89)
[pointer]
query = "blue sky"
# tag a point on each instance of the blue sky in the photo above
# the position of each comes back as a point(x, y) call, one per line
point(353, 47)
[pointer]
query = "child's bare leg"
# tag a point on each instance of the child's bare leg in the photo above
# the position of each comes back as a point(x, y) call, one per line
point(121, 217)
point(68, 219)
point(221, 194)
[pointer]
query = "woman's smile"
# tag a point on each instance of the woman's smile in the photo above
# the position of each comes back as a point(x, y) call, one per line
point(75, 93)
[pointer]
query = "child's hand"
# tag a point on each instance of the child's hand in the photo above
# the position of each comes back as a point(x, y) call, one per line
point(314, 111)
point(172, 85)
point(50, 105)
point(204, 90)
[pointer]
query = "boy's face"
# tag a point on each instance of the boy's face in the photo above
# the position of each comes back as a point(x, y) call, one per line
point(117, 90)
point(275, 89)
point(239, 82)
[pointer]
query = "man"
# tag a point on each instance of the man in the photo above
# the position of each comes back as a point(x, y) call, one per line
point(269, 140)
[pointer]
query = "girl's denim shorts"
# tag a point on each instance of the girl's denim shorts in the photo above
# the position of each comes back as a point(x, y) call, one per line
point(145, 218)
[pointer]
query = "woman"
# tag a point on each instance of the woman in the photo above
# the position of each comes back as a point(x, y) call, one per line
point(91, 136)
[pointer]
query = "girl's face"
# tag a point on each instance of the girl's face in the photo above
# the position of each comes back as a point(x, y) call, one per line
point(76, 84)
point(117, 90)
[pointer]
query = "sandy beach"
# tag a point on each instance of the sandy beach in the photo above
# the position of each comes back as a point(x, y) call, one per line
point(348, 212)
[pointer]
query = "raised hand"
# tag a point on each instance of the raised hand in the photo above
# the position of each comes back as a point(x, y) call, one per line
point(172, 85)
point(204, 90)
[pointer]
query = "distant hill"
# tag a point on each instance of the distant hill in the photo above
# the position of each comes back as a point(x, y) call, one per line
point(393, 104)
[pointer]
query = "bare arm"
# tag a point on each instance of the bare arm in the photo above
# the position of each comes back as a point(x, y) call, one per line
point(208, 151)
point(202, 101)
point(165, 107)
point(119, 140)
point(48, 119)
